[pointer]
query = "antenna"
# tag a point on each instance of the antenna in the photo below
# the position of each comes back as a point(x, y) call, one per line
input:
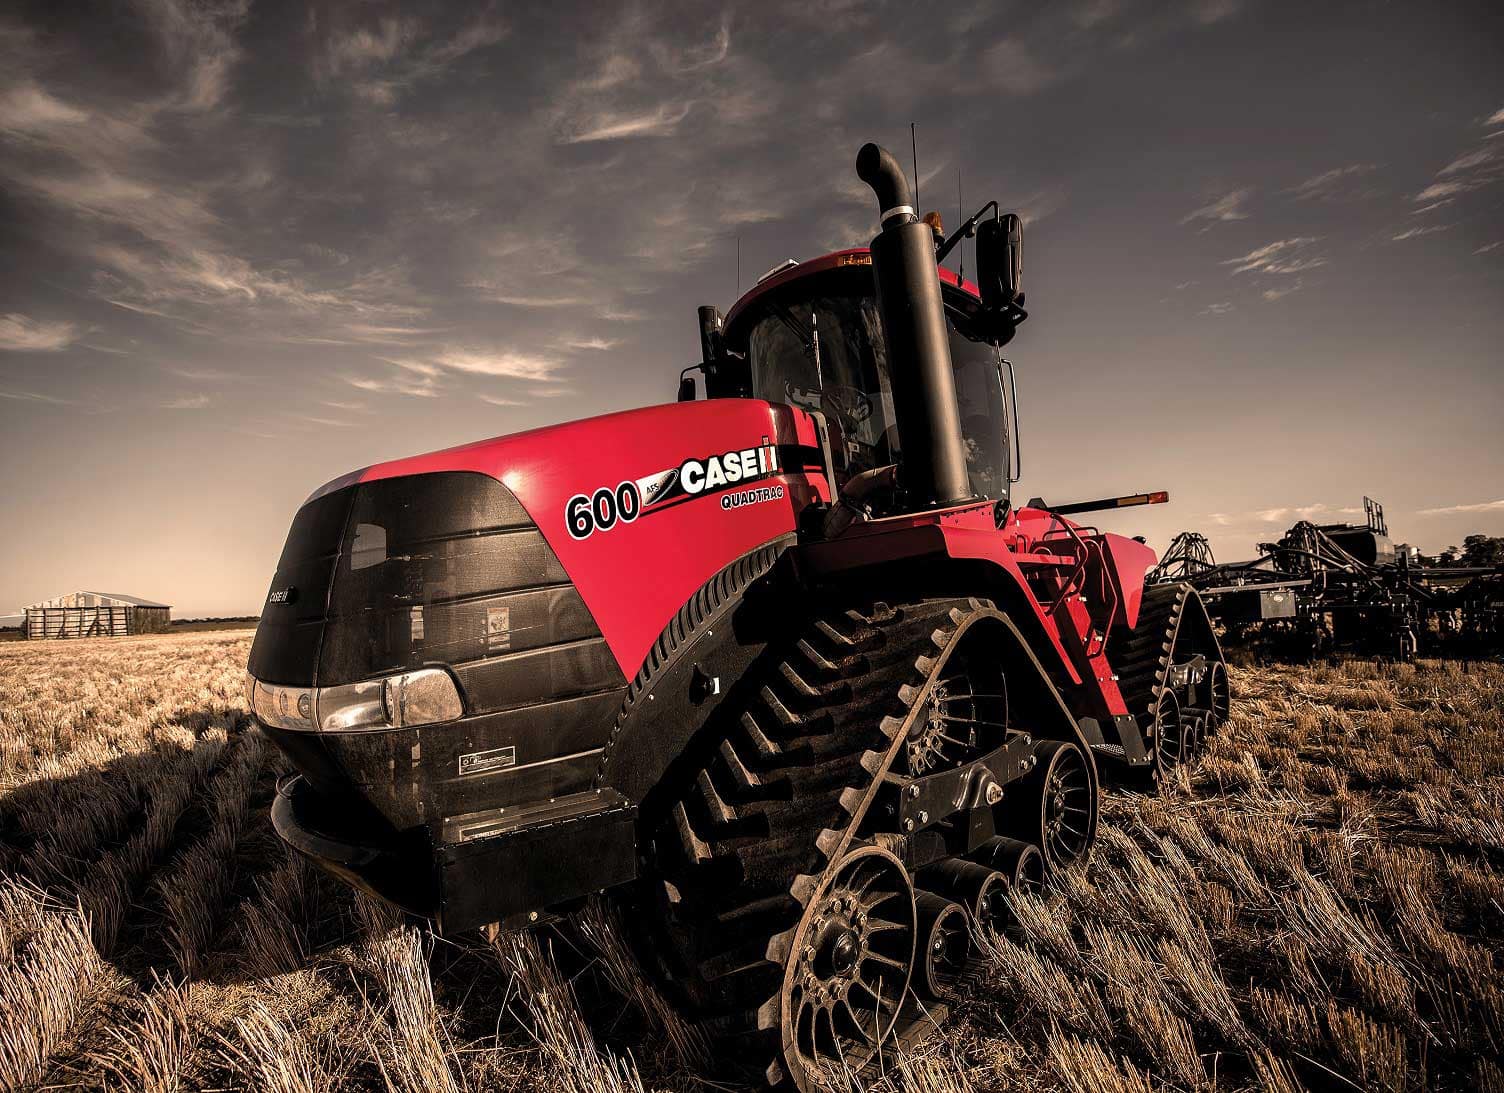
point(960, 212)
point(914, 147)
point(738, 266)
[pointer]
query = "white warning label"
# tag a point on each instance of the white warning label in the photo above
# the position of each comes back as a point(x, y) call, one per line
point(498, 628)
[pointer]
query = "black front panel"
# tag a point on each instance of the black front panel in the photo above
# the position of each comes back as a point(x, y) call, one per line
point(445, 570)
point(286, 649)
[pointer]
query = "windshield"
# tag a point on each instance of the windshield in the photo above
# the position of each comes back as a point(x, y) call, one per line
point(827, 354)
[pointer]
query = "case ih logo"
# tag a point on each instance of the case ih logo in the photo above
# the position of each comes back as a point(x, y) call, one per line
point(282, 595)
point(602, 510)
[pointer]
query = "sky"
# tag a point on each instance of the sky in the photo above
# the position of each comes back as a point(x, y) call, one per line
point(245, 248)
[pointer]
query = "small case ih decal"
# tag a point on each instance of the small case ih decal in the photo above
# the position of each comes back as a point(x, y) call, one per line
point(606, 507)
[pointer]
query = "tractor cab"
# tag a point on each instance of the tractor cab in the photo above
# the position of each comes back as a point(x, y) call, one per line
point(810, 335)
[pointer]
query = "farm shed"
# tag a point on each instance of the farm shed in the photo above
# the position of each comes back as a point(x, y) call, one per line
point(95, 614)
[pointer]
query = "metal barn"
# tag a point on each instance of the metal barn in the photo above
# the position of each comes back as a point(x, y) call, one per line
point(95, 614)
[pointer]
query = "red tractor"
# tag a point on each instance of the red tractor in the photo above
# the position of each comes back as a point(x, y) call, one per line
point(785, 670)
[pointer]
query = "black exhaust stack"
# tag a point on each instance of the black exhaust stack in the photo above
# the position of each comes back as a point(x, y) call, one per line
point(924, 384)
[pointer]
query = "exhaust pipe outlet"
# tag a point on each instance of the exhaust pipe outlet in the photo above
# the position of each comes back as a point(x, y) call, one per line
point(933, 469)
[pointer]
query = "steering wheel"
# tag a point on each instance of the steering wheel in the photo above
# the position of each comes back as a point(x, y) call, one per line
point(850, 403)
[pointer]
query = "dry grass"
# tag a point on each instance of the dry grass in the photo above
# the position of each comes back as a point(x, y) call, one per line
point(1319, 905)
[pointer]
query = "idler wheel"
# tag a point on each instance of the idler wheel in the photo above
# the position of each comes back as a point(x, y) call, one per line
point(1194, 728)
point(944, 945)
point(1055, 806)
point(853, 955)
point(1171, 747)
point(1021, 863)
point(1219, 696)
point(982, 891)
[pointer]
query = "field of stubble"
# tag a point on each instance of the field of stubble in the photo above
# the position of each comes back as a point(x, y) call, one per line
point(1320, 905)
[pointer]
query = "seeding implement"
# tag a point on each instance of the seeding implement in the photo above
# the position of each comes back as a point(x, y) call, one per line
point(1341, 587)
point(783, 670)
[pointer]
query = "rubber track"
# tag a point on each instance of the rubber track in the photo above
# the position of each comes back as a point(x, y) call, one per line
point(1143, 661)
point(747, 840)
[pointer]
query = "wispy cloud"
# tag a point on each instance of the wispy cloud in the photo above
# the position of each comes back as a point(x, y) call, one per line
point(34, 396)
point(1496, 118)
point(1284, 256)
point(187, 402)
point(1489, 247)
point(1227, 207)
point(509, 364)
point(1220, 308)
point(534, 301)
point(1477, 506)
point(366, 46)
point(423, 387)
point(205, 375)
point(1284, 514)
point(496, 400)
point(705, 55)
point(25, 335)
point(597, 343)
point(1281, 291)
point(1473, 170)
point(382, 60)
point(27, 108)
point(1332, 185)
point(1411, 233)
point(661, 122)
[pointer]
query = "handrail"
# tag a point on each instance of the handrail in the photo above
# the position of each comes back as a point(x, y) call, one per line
point(1078, 574)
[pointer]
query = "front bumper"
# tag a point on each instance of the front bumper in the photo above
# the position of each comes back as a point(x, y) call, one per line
point(397, 868)
point(508, 865)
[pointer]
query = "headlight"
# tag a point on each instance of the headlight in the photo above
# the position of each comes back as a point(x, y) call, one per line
point(424, 697)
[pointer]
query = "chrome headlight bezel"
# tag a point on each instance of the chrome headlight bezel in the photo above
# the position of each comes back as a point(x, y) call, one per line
point(426, 696)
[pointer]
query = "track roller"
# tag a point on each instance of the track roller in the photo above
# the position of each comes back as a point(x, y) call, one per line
point(1053, 806)
point(1195, 726)
point(1021, 863)
point(944, 945)
point(982, 891)
point(1219, 695)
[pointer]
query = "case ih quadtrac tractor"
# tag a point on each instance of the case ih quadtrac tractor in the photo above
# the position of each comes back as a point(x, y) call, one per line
point(785, 670)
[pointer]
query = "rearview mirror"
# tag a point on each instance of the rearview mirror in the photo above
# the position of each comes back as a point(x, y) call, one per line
point(712, 335)
point(1000, 261)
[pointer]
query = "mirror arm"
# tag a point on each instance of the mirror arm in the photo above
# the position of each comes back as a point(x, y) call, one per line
point(967, 230)
point(1016, 452)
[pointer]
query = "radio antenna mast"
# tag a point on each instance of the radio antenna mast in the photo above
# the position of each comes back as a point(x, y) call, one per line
point(914, 147)
point(960, 213)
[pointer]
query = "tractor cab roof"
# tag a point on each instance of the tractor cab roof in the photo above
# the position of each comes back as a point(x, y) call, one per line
point(961, 294)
